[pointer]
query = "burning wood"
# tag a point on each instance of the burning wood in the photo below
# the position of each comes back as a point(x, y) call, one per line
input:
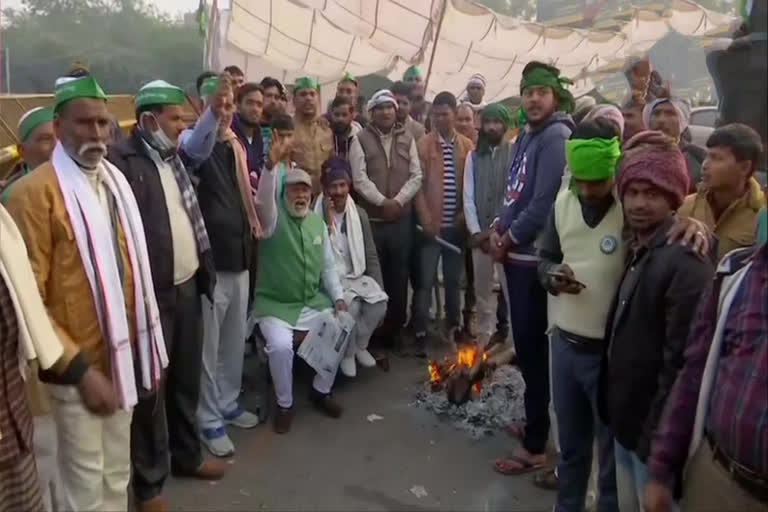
point(464, 376)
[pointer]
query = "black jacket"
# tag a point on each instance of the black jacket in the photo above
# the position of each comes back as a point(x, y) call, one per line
point(131, 157)
point(219, 195)
point(646, 333)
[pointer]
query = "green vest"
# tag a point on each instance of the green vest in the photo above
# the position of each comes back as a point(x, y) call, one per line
point(290, 266)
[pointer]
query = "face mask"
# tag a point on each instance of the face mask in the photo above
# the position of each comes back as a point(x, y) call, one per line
point(158, 139)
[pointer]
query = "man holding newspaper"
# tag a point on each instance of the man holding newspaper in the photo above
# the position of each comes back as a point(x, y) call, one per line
point(298, 285)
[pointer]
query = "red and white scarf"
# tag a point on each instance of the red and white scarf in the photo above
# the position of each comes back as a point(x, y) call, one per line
point(95, 241)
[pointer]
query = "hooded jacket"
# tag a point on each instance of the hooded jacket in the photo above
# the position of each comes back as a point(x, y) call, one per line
point(533, 182)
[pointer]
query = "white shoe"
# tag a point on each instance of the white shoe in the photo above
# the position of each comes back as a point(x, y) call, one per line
point(217, 441)
point(241, 418)
point(365, 359)
point(348, 367)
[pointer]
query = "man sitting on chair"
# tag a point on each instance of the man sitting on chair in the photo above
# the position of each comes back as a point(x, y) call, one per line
point(297, 282)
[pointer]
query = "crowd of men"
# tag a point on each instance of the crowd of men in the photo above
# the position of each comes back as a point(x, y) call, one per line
point(632, 264)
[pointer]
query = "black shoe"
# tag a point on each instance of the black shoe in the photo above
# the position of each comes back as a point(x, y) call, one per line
point(323, 402)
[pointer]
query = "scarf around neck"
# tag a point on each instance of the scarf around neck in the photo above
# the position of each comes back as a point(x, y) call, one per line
point(243, 180)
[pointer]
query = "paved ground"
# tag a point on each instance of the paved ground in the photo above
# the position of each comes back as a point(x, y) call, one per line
point(352, 464)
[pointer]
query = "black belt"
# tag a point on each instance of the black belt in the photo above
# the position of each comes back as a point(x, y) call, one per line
point(752, 482)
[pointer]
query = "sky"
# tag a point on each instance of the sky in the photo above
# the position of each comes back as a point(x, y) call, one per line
point(169, 6)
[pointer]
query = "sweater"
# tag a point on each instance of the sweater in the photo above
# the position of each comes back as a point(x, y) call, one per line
point(533, 182)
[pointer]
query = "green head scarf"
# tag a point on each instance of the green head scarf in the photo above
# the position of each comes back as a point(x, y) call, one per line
point(68, 89)
point(410, 73)
point(306, 82)
point(497, 111)
point(493, 111)
point(159, 92)
point(592, 159)
point(544, 77)
point(32, 119)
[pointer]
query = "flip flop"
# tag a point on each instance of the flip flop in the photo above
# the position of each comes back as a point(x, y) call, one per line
point(526, 466)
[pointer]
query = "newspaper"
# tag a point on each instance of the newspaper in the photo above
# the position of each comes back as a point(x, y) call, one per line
point(326, 343)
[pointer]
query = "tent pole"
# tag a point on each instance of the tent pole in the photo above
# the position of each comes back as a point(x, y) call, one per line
point(434, 44)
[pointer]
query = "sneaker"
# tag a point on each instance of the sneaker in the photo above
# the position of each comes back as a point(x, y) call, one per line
point(217, 441)
point(348, 367)
point(365, 359)
point(241, 418)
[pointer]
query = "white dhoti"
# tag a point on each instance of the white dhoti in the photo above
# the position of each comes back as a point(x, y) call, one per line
point(278, 335)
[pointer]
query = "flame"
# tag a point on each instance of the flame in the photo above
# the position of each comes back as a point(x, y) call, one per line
point(434, 372)
point(467, 356)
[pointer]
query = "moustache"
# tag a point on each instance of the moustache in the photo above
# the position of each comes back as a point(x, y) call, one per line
point(92, 146)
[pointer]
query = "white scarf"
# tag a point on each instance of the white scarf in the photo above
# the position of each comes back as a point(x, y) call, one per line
point(95, 242)
point(354, 234)
point(37, 339)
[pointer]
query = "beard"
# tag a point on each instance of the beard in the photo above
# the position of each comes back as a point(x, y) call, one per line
point(340, 128)
point(250, 123)
point(494, 139)
point(297, 210)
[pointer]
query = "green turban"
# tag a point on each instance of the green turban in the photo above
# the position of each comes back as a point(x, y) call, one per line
point(538, 77)
point(411, 72)
point(68, 89)
point(592, 159)
point(209, 86)
point(159, 92)
point(306, 82)
point(498, 112)
point(32, 119)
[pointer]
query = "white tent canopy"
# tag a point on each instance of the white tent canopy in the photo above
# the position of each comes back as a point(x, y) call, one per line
point(325, 38)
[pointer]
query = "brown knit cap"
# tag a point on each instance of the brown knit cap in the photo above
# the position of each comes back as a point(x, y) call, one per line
point(656, 158)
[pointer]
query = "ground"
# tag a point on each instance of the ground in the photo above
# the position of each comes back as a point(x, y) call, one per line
point(353, 464)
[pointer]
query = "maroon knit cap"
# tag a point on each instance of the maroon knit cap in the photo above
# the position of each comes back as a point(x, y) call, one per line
point(661, 165)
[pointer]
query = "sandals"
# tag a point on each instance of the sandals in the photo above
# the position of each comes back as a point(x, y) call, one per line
point(504, 467)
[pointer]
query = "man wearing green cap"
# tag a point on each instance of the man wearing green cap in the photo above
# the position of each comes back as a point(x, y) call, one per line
point(226, 202)
point(485, 175)
point(533, 181)
point(182, 270)
point(86, 242)
point(582, 258)
point(412, 75)
point(36, 141)
point(313, 139)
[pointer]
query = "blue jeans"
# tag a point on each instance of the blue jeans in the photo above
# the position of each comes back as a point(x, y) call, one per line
point(453, 268)
point(575, 376)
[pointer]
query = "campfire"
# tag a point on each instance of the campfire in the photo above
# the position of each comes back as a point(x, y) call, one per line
point(463, 375)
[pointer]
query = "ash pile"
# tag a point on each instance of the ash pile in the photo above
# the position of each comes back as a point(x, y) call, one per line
point(498, 403)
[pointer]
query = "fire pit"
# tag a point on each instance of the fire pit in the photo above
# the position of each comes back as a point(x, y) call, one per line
point(462, 376)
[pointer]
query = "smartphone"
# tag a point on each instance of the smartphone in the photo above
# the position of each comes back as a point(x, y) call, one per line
point(565, 277)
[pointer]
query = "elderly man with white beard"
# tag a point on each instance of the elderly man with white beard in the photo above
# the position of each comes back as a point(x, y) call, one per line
point(297, 283)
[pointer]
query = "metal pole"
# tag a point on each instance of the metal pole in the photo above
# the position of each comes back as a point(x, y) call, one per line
point(434, 44)
point(8, 69)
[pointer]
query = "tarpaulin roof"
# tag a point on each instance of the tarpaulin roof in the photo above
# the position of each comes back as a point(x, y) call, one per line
point(325, 38)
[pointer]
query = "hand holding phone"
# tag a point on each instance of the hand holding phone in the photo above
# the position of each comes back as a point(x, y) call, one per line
point(563, 280)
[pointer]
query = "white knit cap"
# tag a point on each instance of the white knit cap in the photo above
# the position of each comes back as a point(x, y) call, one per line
point(476, 79)
point(380, 98)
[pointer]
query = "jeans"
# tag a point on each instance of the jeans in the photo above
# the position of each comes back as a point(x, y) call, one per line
point(453, 267)
point(575, 376)
point(528, 317)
